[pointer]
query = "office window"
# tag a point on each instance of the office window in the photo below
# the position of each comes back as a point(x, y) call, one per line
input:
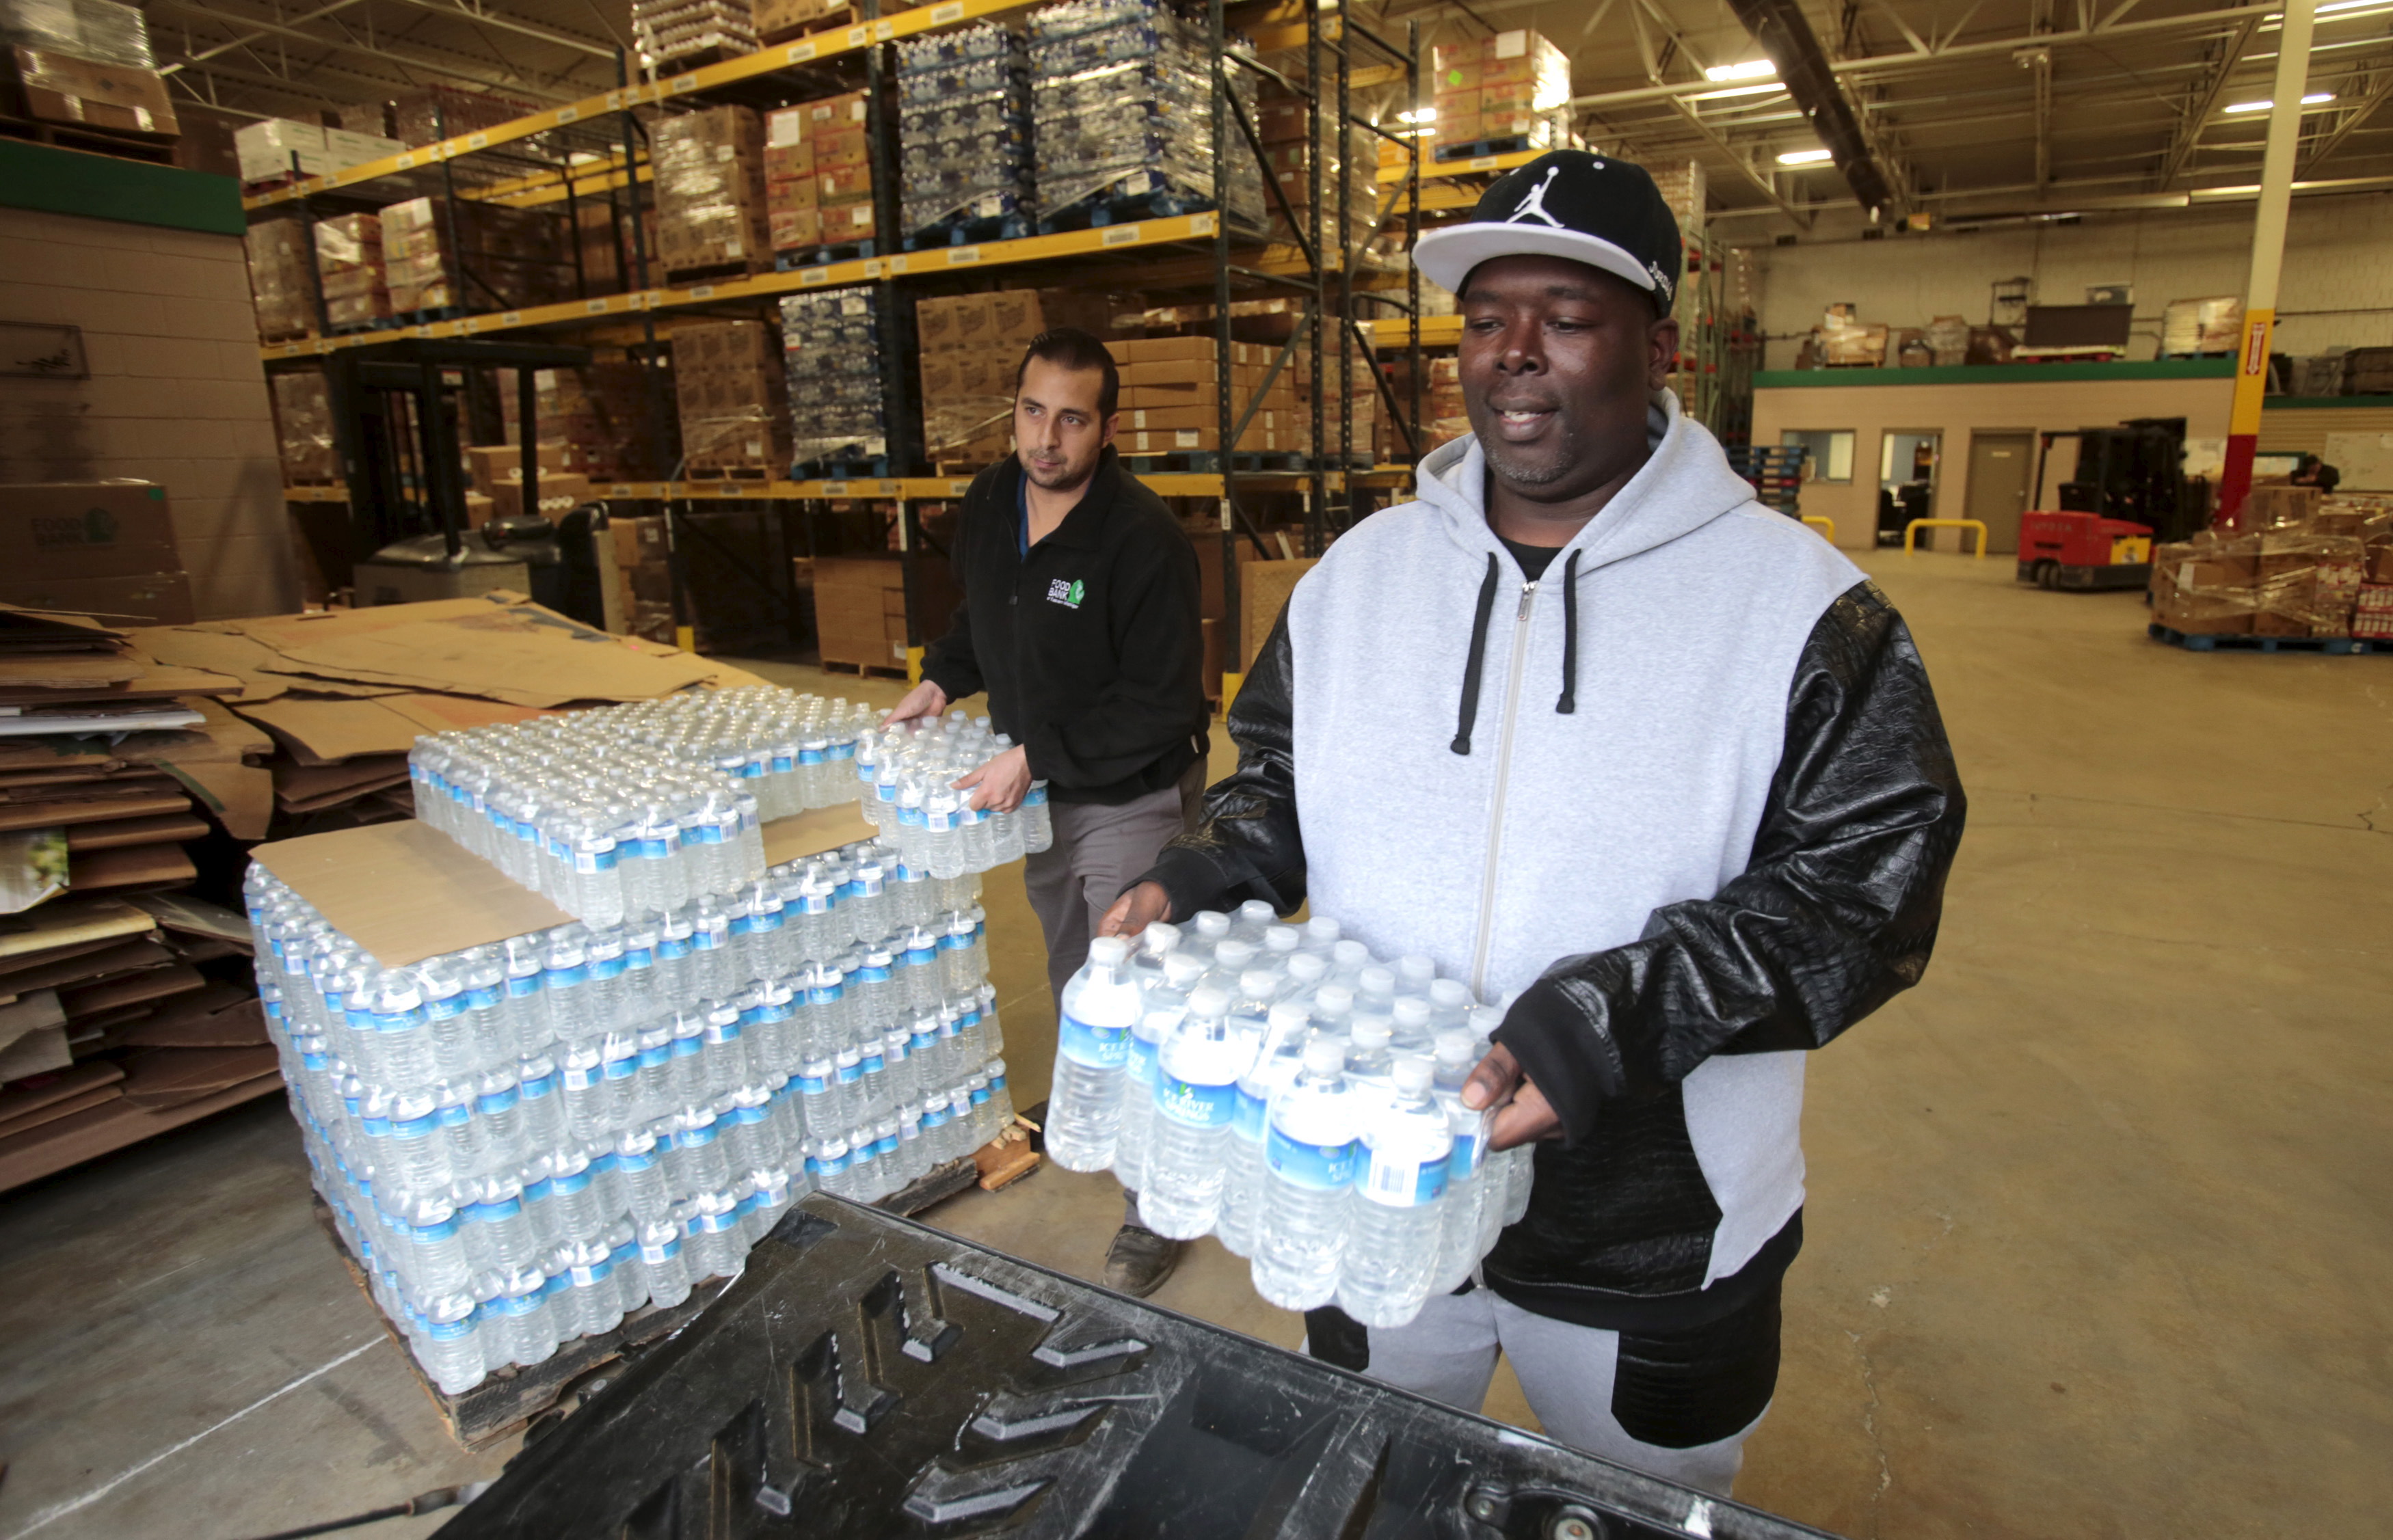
point(1832, 452)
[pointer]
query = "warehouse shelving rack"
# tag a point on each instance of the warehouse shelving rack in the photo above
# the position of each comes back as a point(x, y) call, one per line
point(604, 155)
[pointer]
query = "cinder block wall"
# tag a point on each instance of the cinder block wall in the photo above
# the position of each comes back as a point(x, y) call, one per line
point(2337, 286)
point(176, 396)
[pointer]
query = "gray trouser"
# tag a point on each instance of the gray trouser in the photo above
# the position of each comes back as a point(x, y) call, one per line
point(1448, 1353)
point(1098, 852)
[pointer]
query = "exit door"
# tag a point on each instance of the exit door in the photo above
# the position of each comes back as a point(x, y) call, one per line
point(2002, 470)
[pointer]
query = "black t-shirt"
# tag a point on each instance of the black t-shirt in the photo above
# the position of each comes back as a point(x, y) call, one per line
point(1533, 559)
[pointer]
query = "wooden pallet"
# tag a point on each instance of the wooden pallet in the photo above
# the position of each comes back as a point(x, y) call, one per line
point(89, 141)
point(759, 474)
point(512, 1398)
point(865, 671)
point(718, 272)
point(829, 21)
point(2253, 642)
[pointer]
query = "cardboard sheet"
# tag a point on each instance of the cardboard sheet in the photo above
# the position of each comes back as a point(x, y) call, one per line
point(322, 731)
point(71, 922)
point(50, 1112)
point(175, 827)
point(36, 1052)
point(70, 1141)
point(145, 804)
point(220, 1015)
point(35, 1010)
point(185, 915)
point(85, 964)
point(129, 867)
point(166, 1077)
point(406, 891)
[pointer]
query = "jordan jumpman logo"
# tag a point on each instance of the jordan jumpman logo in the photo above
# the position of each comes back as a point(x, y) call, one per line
point(1534, 203)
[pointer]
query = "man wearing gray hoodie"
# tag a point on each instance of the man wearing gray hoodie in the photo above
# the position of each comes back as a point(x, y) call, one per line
point(1691, 818)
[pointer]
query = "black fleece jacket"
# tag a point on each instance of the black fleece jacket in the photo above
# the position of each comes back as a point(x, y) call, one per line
point(1091, 647)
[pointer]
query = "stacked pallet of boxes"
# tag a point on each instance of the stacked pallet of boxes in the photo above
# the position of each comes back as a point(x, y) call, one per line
point(2304, 567)
point(1845, 341)
point(349, 266)
point(272, 151)
point(860, 611)
point(644, 577)
point(1445, 417)
point(710, 188)
point(1354, 165)
point(2195, 326)
point(510, 258)
point(282, 279)
point(494, 473)
point(1512, 86)
point(302, 428)
point(963, 131)
point(2366, 371)
point(729, 376)
point(818, 175)
point(1171, 387)
point(831, 348)
point(972, 344)
point(686, 32)
point(1116, 87)
point(779, 20)
point(85, 64)
point(597, 415)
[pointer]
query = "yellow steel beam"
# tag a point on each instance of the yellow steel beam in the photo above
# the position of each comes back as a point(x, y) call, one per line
point(928, 488)
point(1436, 331)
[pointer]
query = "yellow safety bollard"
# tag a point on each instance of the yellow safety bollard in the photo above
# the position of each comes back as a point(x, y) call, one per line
point(1825, 524)
point(1910, 531)
point(914, 665)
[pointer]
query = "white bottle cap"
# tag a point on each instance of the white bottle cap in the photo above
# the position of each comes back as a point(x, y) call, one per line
point(1484, 1020)
point(1335, 998)
point(1307, 967)
point(1412, 1075)
point(1322, 927)
point(1283, 938)
point(1208, 999)
point(1369, 1032)
point(1350, 954)
point(1289, 1017)
point(1449, 993)
point(1324, 1056)
point(1376, 980)
point(1212, 924)
point(1182, 968)
point(1254, 910)
point(1235, 954)
point(1412, 1010)
point(1109, 950)
point(1161, 936)
point(1257, 983)
point(1454, 1046)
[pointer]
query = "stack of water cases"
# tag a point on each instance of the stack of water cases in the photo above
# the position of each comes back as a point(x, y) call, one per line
point(1121, 94)
point(525, 1141)
point(830, 343)
point(963, 128)
point(1278, 1088)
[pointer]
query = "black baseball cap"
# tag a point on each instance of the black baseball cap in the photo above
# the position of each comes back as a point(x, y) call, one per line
point(1573, 204)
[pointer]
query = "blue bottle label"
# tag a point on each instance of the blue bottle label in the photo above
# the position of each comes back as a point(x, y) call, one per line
point(1463, 1164)
point(608, 968)
point(567, 1186)
point(443, 1009)
point(849, 1073)
point(564, 978)
point(583, 1076)
point(524, 986)
point(657, 1255)
point(1097, 1046)
point(935, 1113)
point(885, 1146)
point(533, 1091)
point(1196, 1106)
point(485, 999)
point(491, 1103)
point(1323, 1167)
point(623, 1068)
point(652, 1058)
point(1140, 1062)
point(707, 834)
point(674, 948)
point(684, 1047)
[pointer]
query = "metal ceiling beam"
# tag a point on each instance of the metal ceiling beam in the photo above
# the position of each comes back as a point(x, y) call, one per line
point(1785, 35)
point(483, 16)
point(2204, 100)
point(2377, 95)
point(409, 61)
point(243, 41)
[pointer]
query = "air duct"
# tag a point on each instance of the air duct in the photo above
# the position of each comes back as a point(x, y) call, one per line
point(1779, 26)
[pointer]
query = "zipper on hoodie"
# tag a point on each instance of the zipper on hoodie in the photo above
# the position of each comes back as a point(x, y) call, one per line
point(1503, 776)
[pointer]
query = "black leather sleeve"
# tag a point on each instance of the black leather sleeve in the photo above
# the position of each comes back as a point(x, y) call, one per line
point(1833, 916)
point(1249, 846)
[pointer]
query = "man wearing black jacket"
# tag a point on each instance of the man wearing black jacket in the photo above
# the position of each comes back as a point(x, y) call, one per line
point(1080, 617)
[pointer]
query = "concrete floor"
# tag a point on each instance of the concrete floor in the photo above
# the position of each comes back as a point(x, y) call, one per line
point(2097, 1234)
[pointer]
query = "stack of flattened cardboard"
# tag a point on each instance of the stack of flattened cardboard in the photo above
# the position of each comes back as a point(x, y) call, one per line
point(124, 1018)
point(344, 694)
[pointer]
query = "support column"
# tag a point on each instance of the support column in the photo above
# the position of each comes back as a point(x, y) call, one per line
point(2267, 259)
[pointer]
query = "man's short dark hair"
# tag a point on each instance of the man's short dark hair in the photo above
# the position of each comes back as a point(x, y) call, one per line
point(1069, 347)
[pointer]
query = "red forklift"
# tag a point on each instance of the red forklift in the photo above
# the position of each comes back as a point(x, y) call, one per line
point(2129, 486)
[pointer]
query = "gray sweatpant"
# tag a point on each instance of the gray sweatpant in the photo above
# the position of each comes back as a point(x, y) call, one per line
point(1448, 1353)
point(1098, 852)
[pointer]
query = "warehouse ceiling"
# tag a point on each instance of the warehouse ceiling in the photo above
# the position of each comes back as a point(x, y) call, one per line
point(1953, 109)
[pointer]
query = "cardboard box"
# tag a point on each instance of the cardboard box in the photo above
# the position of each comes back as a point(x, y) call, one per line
point(860, 610)
point(56, 88)
point(842, 185)
point(85, 529)
point(796, 229)
point(489, 464)
point(559, 495)
point(839, 147)
point(160, 598)
point(790, 162)
point(847, 222)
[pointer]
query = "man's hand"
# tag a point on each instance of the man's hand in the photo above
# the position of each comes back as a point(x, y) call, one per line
point(1135, 910)
point(1523, 1114)
point(1003, 781)
point(924, 699)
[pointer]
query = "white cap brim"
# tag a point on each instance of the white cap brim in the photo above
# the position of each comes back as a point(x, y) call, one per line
point(1445, 256)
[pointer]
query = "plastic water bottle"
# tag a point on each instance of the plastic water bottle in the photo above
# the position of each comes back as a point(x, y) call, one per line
point(1310, 1157)
point(1092, 1056)
point(1458, 1245)
point(1163, 1001)
point(1038, 820)
point(1396, 1225)
point(1196, 1096)
point(1272, 1066)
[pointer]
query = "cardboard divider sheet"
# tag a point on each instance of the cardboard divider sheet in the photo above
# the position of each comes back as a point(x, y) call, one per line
point(406, 891)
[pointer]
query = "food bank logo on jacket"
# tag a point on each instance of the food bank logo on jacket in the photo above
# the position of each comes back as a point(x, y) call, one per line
point(1067, 592)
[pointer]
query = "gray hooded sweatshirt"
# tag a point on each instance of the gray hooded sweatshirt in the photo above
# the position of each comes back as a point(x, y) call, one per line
point(1636, 794)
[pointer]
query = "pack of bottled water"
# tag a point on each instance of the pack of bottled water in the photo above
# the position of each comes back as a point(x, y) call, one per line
point(1277, 1087)
point(644, 807)
point(523, 1142)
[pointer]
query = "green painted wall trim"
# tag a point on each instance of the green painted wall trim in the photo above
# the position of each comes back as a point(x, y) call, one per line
point(1996, 373)
point(2325, 403)
point(101, 187)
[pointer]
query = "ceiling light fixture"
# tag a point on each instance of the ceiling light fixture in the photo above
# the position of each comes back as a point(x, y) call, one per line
point(1806, 157)
point(1418, 114)
point(2316, 99)
point(1751, 70)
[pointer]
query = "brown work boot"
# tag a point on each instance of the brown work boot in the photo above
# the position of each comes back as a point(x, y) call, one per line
point(1140, 1259)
